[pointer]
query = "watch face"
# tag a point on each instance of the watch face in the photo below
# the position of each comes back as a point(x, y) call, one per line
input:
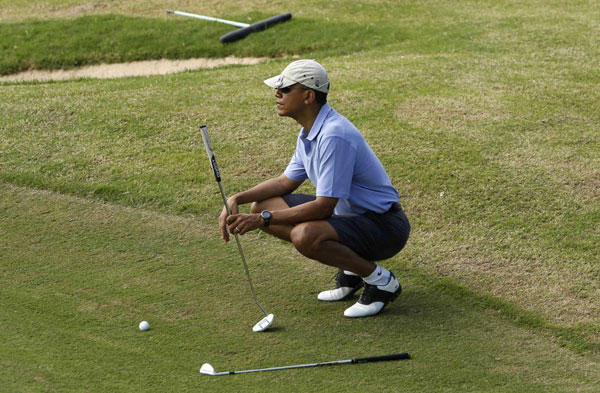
point(266, 216)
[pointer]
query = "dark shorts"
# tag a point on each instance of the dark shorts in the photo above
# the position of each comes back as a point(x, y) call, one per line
point(373, 236)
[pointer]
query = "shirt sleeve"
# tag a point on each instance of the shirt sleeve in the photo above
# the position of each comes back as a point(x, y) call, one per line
point(295, 169)
point(336, 168)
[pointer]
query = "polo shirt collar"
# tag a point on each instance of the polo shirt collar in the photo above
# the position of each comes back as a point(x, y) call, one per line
point(318, 124)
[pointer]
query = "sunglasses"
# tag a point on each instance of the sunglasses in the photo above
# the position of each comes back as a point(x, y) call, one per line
point(287, 90)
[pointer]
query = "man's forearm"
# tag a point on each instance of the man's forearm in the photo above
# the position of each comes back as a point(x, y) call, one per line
point(319, 209)
point(265, 190)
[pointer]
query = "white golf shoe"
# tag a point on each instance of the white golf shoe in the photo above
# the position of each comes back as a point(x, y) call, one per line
point(345, 286)
point(374, 298)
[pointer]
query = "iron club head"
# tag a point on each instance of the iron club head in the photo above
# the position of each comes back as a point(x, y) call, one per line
point(207, 369)
point(263, 324)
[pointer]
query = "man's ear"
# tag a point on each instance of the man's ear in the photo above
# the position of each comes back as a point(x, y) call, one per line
point(310, 96)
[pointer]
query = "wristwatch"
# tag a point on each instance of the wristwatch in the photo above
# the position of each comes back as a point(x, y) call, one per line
point(266, 216)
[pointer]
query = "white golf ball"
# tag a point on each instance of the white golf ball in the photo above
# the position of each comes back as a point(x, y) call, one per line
point(144, 326)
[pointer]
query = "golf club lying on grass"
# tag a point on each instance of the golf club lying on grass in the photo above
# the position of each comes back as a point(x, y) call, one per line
point(244, 28)
point(267, 321)
point(207, 369)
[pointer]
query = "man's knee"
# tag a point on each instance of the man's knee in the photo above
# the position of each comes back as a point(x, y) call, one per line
point(308, 236)
point(276, 203)
point(255, 208)
point(303, 238)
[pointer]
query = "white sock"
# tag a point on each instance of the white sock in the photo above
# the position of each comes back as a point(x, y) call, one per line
point(349, 273)
point(380, 276)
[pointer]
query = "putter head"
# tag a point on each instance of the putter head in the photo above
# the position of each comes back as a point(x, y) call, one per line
point(263, 324)
point(207, 369)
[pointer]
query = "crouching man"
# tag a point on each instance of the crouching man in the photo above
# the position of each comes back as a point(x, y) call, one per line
point(355, 218)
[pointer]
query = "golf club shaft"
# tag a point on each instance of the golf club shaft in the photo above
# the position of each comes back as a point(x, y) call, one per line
point(397, 356)
point(210, 18)
point(215, 167)
point(286, 367)
point(239, 245)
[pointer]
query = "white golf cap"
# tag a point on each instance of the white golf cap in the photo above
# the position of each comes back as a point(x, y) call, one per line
point(306, 72)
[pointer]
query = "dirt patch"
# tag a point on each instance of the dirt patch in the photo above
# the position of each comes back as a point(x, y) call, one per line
point(149, 67)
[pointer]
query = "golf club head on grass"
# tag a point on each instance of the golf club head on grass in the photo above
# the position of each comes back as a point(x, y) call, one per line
point(207, 369)
point(263, 324)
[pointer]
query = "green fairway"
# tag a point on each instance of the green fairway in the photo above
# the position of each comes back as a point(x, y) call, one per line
point(81, 275)
point(485, 114)
point(69, 43)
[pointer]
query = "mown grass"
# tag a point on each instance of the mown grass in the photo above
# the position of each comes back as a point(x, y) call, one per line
point(34, 43)
point(486, 117)
point(82, 274)
point(100, 39)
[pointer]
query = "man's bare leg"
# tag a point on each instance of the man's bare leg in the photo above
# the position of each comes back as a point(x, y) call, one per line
point(315, 240)
point(319, 241)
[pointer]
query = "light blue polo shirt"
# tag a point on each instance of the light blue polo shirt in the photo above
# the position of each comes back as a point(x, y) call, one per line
point(339, 162)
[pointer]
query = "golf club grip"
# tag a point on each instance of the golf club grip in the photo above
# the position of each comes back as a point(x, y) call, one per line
point(258, 26)
point(396, 356)
point(209, 152)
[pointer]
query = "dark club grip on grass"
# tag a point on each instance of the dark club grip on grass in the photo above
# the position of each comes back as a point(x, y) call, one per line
point(238, 34)
point(244, 28)
point(396, 356)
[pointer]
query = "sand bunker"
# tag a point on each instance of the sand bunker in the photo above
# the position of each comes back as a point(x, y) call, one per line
point(149, 67)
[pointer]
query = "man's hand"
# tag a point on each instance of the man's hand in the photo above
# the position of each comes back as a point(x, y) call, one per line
point(233, 205)
point(268, 189)
point(242, 223)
